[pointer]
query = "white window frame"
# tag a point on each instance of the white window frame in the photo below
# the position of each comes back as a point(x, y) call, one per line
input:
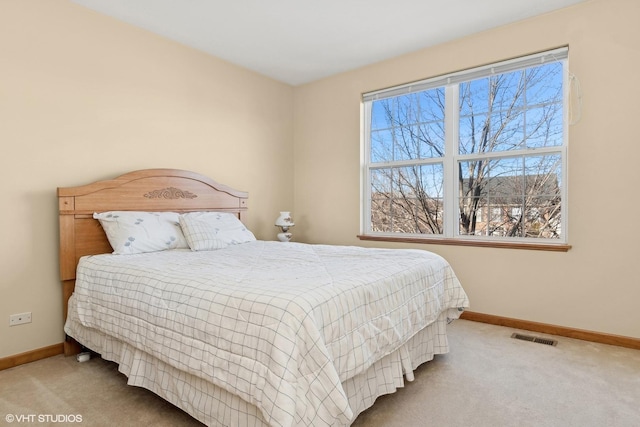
point(450, 161)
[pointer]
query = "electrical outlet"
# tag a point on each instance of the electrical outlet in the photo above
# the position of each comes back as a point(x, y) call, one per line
point(19, 319)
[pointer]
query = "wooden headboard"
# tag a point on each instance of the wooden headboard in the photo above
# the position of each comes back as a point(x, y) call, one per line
point(153, 190)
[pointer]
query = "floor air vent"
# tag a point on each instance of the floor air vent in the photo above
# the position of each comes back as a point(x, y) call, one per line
point(545, 341)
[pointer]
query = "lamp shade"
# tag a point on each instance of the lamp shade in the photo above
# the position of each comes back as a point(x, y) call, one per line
point(284, 220)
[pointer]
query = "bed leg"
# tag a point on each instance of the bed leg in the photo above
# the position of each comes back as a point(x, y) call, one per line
point(71, 346)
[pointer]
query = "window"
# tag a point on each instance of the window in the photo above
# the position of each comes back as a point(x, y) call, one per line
point(475, 155)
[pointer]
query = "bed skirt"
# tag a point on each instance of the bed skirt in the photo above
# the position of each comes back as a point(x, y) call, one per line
point(214, 406)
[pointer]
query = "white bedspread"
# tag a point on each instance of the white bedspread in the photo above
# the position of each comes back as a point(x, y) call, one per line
point(279, 324)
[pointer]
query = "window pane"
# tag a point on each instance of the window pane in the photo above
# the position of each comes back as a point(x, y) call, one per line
point(506, 92)
point(544, 127)
point(474, 97)
point(381, 146)
point(408, 127)
point(407, 144)
point(512, 111)
point(407, 199)
point(380, 115)
point(381, 196)
point(516, 197)
point(544, 84)
point(431, 126)
point(509, 131)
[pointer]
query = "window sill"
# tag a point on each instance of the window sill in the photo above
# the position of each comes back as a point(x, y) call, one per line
point(475, 243)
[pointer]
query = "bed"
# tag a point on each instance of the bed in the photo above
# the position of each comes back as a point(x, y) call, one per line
point(238, 331)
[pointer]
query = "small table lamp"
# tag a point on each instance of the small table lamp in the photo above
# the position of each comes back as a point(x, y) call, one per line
point(284, 221)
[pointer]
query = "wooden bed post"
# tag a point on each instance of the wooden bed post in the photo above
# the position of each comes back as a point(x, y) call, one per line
point(67, 263)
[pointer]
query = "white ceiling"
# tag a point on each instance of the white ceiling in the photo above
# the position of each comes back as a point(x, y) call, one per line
point(299, 41)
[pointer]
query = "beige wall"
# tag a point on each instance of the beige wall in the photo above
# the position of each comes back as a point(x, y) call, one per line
point(85, 97)
point(595, 285)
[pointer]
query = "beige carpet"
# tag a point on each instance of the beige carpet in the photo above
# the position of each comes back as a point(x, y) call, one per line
point(488, 379)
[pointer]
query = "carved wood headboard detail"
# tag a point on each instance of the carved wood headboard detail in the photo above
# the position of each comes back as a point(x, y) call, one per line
point(153, 190)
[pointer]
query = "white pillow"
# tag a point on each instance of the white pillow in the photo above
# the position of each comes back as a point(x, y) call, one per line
point(207, 231)
point(132, 232)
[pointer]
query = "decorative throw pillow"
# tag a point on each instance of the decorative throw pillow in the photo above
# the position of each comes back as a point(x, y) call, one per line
point(205, 231)
point(132, 232)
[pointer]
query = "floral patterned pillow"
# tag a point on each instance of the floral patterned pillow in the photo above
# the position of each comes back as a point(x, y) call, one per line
point(132, 232)
point(206, 231)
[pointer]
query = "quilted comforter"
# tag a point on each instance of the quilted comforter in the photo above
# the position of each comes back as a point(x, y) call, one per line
point(279, 324)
